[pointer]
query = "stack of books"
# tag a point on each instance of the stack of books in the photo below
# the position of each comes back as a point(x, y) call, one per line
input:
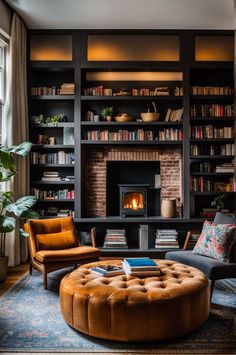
point(50, 176)
point(225, 168)
point(67, 89)
point(115, 238)
point(166, 239)
point(141, 267)
point(108, 270)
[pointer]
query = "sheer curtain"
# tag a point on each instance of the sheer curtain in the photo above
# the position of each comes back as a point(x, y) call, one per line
point(15, 125)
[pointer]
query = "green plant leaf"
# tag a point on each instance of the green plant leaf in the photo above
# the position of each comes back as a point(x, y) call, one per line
point(23, 233)
point(7, 177)
point(7, 224)
point(21, 149)
point(29, 214)
point(21, 205)
point(6, 160)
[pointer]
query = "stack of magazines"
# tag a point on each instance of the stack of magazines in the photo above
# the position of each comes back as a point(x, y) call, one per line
point(166, 239)
point(107, 270)
point(141, 267)
point(115, 238)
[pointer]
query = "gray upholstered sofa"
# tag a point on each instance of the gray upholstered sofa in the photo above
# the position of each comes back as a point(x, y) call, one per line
point(212, 268)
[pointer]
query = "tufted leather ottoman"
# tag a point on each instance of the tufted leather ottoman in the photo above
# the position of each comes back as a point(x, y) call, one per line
point(128, 308)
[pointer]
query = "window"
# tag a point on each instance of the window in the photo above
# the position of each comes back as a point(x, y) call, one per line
point(2, 81)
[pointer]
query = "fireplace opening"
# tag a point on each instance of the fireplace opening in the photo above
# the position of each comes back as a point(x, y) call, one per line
point(133, 200)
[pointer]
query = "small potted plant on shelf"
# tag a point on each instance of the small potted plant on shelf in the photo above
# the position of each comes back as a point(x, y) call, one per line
point(53, 120)
point(10, 209)
point(106, 113)
point(218, 203)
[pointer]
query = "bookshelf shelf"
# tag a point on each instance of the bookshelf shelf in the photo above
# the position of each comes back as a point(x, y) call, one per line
point(211, 140)
point(53, 97)
point(58, 200)
point(211, 193)
point(161, 143)
point(212, 157)
point(210, 174)
point(58, 125)
point(131, 98)
point(51, 146)
point(211, 97)
point(39, 182)
point(135, 123)
point(53, 165)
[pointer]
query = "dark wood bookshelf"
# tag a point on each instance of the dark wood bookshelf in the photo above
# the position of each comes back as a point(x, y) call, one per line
point(210, 193)
point(56, 200)
point(44, 73)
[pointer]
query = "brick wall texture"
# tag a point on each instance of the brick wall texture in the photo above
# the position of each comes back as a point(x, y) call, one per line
point(170, 171)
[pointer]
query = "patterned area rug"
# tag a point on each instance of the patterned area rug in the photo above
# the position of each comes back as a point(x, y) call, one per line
point(30, 321)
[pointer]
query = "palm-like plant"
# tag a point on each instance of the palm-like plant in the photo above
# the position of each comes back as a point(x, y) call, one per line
point(10, 209)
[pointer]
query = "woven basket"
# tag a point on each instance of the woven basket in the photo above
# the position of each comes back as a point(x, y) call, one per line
point(150, 116)
point(123, 117)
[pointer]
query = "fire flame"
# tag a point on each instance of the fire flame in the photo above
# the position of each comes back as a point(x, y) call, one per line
point(134, 204)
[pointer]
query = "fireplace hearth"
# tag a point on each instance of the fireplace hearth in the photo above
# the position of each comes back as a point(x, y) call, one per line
point(133, 200)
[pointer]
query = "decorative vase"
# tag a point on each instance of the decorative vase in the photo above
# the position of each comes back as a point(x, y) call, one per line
point(168, 207)
point(3, 267)
point(108, 118)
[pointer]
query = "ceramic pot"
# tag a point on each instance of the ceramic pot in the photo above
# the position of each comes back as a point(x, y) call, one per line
point(3, 267)
point(168, 208)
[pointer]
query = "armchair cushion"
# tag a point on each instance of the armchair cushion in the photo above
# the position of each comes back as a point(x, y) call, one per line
point(72, 254)
point(56, 241)
point(215, 241)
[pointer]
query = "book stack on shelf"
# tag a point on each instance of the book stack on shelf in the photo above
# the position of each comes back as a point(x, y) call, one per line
point(53, 195)
point(143, 267)
point(211, 90)
point(211, 212)
point(61, 157)
point(225, 168)
point(115, 238)
point(50, 176)
point(174, 115)
point(213, 110)
point(166, 239)
point(56, 212)
point(107, 270)
point(67, 89)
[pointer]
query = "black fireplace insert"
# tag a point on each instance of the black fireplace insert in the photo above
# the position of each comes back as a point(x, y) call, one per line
point(133, 200)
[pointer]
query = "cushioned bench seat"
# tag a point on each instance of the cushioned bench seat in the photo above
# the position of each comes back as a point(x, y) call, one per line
point(212, 268)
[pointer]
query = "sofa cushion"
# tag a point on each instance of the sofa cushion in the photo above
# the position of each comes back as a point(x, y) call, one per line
point(215, 241)
point(56, 241)
point(72, 254)
point(212, 268)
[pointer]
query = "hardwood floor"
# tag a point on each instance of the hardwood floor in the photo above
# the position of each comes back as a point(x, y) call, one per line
point(13, 275)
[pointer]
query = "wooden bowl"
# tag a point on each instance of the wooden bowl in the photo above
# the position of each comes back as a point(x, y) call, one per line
point(123, 117)
point(150, 116)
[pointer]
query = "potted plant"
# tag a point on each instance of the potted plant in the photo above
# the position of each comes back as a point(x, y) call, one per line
point(218, 203)
point(10, 209)
point(106, 113)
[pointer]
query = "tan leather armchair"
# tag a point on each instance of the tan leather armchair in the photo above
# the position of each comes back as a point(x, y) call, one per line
point(53, 245)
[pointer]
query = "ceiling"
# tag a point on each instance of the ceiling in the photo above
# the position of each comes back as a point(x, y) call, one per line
point(126, 14)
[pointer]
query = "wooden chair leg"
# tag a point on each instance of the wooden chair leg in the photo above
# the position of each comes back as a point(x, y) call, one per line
point(30, 268)
point(212, 288)
point(45, 279)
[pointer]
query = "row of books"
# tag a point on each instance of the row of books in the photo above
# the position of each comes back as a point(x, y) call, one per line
point(210, 131)
point(166, 238)
point(213, 110)
point(115, 238)
point(174, 115)
point(53, 194)
point(158, 91)
point(43, 90)
point(211, 90)
point(205, 185)
point(207, 167)
point(211, 212)
point(221, 149)
point(56, 212)
point(138, 135)
point(131, 266)
point(61, 157)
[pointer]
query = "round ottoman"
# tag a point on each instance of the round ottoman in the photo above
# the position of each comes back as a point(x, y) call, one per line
point(128, 308)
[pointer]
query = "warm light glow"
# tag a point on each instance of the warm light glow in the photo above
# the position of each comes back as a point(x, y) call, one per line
point(133, 200)
point(214, 48)
point(53, 47)
point(134, 76)
point(133, 48)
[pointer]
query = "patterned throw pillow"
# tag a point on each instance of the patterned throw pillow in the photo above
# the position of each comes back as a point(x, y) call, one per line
point(215, 241)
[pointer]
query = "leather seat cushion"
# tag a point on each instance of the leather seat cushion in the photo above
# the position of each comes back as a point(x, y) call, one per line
point(212, 268)
point(82, 252)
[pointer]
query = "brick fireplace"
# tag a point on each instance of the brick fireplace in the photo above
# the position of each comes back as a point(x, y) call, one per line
point(170, 172)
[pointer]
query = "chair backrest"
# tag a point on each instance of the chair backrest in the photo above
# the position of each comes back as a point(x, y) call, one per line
point(221, 218)
point(46, 226)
